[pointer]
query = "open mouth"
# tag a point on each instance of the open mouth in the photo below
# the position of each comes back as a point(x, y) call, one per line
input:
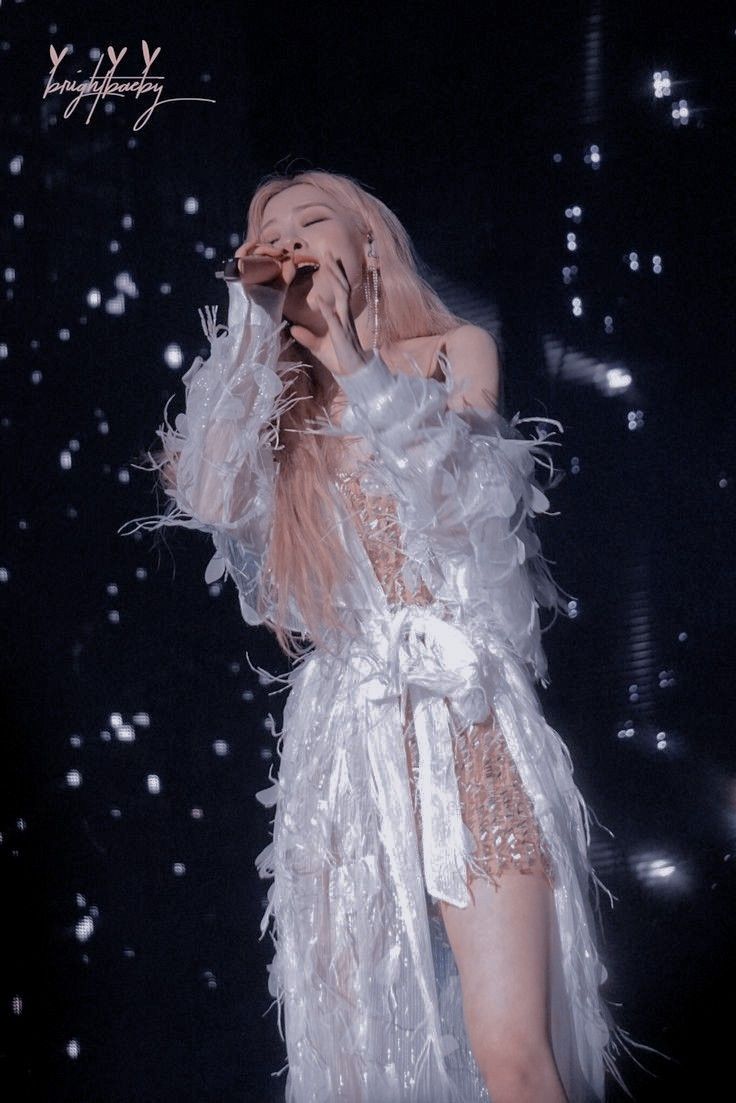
point(305, 269)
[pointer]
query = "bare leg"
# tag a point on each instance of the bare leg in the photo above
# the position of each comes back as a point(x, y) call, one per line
point(500, 945)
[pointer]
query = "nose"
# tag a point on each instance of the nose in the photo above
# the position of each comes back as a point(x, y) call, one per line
point(294, 243)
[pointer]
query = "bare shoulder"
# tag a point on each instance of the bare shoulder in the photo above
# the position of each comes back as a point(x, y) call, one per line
point(471, 340)
point(475, 364)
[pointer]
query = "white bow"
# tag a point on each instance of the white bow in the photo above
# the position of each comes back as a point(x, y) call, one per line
point(432, 660)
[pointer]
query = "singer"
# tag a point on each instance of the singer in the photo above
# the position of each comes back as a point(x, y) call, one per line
point(344, 448)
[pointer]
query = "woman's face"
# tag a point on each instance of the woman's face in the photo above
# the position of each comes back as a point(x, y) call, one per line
point(304, 219)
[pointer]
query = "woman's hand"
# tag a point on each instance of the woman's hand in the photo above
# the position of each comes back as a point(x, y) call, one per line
point(264, 266)
point(339, 349)
point(263, 277)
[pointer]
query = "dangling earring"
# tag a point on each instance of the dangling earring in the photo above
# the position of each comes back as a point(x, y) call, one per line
point(370, 289)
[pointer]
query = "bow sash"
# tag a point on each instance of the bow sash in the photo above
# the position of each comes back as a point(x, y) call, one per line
point(430, 659)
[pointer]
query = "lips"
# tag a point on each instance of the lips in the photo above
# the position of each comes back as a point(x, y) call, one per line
point(305, 265)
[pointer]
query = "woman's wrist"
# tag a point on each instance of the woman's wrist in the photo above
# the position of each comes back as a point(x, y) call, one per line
point(368, 382)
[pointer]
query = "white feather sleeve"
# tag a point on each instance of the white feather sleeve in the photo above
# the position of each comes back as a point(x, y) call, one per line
point(466, 494)
point(220, 450)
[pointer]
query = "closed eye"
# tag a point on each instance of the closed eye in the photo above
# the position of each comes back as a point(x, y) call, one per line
point(310, 223)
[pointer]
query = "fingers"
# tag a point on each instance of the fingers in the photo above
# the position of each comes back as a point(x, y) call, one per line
point(342, 303)
point(337, 268)
point(259, 249)
point(332, 289)
point(305, 337)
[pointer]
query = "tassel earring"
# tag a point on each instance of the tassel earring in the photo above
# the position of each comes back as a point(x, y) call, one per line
point(371, 289)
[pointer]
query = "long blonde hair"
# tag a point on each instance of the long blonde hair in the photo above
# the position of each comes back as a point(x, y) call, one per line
point(306, 558)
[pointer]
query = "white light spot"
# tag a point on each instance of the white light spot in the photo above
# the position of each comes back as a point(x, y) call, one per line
point(173, 356)
point(124, 282)
point(618, 379)
point(84, 928)
point(681, 113)
point(661, 84)
point(116, 305)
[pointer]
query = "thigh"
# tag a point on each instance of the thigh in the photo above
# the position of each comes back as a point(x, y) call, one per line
point(501, 946)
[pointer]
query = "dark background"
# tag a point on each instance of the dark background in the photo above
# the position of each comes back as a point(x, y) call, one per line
point(133, 968)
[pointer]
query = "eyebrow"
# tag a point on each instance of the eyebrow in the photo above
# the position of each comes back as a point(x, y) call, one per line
point(301, 207)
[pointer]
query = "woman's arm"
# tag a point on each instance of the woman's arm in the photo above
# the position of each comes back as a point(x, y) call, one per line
point(451, 456)
point(217, 458)
point(476, 371)
point(464, 478)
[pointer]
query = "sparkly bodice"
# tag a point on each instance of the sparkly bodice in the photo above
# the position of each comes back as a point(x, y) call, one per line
point(494, 805)
point(377, 524)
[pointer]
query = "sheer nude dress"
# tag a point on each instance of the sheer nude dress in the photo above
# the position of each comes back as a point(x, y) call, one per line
point(493, 802)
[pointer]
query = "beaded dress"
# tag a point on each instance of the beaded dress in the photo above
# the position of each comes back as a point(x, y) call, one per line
point(414, 754)
point(493, 803)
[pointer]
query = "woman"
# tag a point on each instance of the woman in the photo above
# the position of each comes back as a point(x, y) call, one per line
point(342, 445)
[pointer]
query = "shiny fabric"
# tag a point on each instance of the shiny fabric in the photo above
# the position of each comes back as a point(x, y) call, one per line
point(493, 803)
point(379, 812)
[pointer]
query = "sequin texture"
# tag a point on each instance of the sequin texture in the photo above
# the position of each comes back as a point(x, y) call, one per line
point(493, 802)
point(375, 518)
